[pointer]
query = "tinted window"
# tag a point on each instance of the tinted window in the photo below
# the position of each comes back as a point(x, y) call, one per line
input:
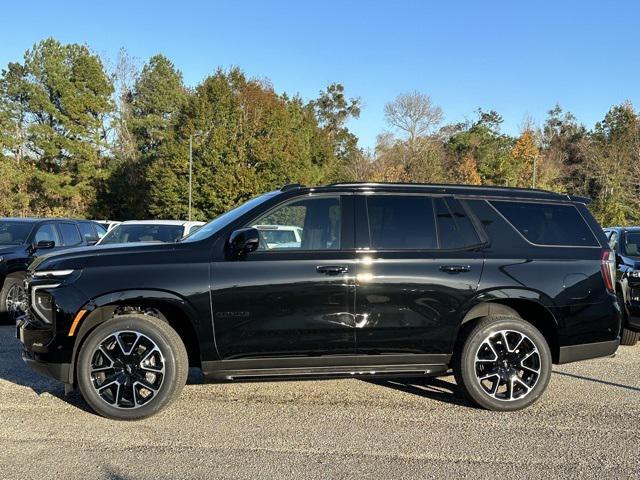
point(632, 244)
point(87, 231)
point(47, 232)
point(143, 233)
point(401, 222)
point(100, 230)
point(547, 224)
point(14, 233)
point(307, 224)
point(70, 234)
point(455, 230)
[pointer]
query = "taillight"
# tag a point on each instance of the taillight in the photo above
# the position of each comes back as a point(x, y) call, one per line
point(608, 266)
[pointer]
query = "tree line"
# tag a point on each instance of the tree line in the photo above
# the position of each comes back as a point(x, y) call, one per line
point(83, 137)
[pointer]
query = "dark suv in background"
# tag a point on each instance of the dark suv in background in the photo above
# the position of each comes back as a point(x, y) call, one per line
point(22, 239)
point(386, 280)
point(625, 242)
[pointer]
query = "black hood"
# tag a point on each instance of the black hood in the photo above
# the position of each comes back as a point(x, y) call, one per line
point(76, 258)
point(9, 249)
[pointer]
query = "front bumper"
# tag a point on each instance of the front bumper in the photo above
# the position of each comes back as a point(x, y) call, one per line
point(36, 352)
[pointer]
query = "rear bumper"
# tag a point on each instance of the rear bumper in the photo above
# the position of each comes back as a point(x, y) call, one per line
point(585, 351)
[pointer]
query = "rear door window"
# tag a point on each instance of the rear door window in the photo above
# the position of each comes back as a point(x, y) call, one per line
point(547, 224)
point(399, 222)
point(455, 229)
point(70, 234)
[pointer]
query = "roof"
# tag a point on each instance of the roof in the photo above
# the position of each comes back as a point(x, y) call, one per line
point(452, 189)
point(161, 222)
point(40, 219)
point(632, 228)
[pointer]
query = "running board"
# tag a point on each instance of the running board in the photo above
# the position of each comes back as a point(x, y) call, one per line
point(326, 367)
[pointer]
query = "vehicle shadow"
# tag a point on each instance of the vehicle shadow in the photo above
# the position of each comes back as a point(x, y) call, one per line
point(596, 380)
point(428, 387)
point(14, 370)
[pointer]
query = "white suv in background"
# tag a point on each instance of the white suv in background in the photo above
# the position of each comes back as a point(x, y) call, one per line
point(149, 231)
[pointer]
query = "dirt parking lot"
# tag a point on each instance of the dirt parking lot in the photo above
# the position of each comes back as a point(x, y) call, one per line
point(587, 425)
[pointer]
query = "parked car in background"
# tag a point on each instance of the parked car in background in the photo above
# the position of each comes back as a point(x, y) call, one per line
point(625, 242)
point(22, 239)
point(387, 279)
point(280, 236)
point(107, 224)
point(149, 231)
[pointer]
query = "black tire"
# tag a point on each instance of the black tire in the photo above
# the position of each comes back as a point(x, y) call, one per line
point(13, 280)
point(473, 361)
point(629, 338)
point(125, 399)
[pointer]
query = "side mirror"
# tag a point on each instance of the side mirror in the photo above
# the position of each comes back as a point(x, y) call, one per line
point(44, 244)
point(91, 240)
point(244, 241)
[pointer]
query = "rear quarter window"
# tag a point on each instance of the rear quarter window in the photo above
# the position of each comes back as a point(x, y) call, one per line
point(547, 224)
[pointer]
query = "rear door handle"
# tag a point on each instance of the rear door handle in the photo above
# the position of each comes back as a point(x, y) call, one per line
point(455, 268)
point(332, 269)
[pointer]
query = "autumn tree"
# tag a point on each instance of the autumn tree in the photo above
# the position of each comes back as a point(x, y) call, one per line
point(59, 100)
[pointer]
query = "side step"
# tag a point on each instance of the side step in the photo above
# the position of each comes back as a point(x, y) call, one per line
point(326, 367)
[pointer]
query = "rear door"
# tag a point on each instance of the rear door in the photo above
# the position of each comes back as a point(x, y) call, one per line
point(418, 264)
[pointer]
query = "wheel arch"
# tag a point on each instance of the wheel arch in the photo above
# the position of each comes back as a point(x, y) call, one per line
point(530, 310)
point(170, 308)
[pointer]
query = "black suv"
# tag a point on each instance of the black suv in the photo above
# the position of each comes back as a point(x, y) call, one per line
point(625, 242)
point(383, 279)
point(22, 239)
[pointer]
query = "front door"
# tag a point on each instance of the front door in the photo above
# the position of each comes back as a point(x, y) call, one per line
point(418, 264)
point(294, 295)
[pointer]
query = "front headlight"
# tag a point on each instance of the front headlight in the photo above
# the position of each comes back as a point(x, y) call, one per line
point(42, 302)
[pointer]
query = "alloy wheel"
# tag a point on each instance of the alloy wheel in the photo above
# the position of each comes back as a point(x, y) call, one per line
point(508, 365)
point(16, 301)
point(127, 369)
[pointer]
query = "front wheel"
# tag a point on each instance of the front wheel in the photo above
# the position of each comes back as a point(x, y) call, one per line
point(629, 338)
point(131, 367)
point(13, 297)
point(504, 363)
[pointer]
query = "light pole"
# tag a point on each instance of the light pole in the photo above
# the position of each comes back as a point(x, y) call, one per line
point(190, 170)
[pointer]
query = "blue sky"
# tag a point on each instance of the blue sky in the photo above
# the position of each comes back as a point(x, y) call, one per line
point(518, 58)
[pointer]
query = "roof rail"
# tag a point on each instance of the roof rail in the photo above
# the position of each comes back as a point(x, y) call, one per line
point(438, 185)
point(291, 186)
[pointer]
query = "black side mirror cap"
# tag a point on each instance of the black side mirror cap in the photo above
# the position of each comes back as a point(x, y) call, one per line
point(244, 241)
point(43, 244)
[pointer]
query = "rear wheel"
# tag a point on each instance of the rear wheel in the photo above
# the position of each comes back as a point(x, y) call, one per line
point(131, 367)
point(13, 297)
point(504, 363)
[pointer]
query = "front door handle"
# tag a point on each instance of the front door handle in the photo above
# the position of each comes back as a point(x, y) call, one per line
point(332, 269)
point(455, 268)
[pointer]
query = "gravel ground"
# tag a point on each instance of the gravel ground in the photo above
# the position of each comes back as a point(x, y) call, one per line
point(586, 425)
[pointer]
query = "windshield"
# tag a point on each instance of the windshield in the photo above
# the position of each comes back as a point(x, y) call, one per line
point(14, 233)
point(632, 244)
point(226, 218)
point(143, 233)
